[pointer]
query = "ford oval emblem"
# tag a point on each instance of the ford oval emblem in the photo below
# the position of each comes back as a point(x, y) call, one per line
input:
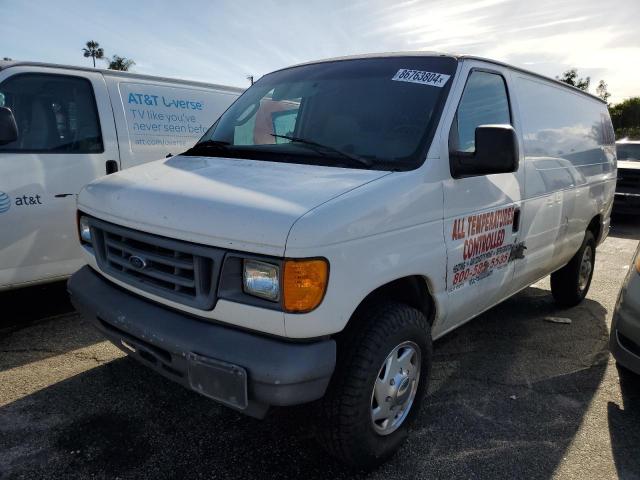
point(137, 262)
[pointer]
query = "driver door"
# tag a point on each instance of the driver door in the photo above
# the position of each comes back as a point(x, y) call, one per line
point(66, 137)
point(480, 212)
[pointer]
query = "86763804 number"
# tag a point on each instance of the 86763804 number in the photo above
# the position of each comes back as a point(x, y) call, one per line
point(420, 76)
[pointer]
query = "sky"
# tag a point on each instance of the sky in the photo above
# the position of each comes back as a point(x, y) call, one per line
point(225, 41)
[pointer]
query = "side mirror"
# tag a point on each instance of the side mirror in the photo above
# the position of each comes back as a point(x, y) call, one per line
point(496, 152)
point(8, 127)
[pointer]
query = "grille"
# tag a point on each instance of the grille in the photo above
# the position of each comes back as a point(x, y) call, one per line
point(179, 271)
point(628, 180)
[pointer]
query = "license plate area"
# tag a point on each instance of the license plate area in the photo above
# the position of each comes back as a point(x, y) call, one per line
point(221, 381)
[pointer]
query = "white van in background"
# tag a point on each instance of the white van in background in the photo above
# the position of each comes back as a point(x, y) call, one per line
point(340, 215)
point(74, 125)
point(627, 199)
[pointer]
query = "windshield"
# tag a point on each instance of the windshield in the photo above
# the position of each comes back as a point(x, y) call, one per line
point(363, 113)
point(628, 151)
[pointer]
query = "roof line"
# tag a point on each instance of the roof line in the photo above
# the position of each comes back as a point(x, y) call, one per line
point(529, 72)
point(366, 55)
point(117, 73)
point(458, 57)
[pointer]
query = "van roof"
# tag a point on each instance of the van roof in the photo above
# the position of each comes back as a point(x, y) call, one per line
point(458, 57)
point(116, 73)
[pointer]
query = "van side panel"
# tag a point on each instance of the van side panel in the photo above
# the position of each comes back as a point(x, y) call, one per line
point(570, 172)
point(155, 119)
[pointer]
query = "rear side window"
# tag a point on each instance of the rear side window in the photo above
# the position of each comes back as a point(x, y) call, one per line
point(484, 102)
point(54, 114)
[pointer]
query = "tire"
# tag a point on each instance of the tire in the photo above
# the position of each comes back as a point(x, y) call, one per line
point(625, 374)
point(570, 284)
point(347, 429)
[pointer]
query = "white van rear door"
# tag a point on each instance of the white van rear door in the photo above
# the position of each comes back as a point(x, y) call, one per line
point(479, 211)
point(66, 136)
point(157, 118)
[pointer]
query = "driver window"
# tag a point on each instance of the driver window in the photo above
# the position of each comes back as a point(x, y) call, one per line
point(484, 102)
point(54, 114)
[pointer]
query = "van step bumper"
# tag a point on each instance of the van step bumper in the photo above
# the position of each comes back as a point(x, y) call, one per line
point(246, 371)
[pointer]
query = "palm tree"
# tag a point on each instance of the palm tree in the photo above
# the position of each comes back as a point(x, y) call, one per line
point(120, 63)
point(94, 51)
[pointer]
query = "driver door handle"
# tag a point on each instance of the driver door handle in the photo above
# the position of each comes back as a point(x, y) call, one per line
point(516, 220)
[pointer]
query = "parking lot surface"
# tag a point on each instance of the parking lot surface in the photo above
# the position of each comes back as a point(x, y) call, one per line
point(512, 396)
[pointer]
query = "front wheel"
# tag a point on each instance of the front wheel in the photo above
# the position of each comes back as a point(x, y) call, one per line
point(570, 284)
point(381, 376)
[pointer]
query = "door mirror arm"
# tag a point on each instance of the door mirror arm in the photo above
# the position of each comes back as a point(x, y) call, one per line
point(8, 126)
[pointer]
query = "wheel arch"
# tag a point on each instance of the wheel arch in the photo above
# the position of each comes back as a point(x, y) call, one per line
point(595, 227)
point(412, 290)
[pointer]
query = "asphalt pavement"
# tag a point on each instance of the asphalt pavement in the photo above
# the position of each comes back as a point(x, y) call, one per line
point(512, 396)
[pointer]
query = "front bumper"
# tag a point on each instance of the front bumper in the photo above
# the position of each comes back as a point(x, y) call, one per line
point(208, 358)
point(625, 325)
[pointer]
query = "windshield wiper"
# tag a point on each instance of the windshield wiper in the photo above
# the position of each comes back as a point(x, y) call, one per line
point(215, 143)
point(219, 144)
point(362, 161)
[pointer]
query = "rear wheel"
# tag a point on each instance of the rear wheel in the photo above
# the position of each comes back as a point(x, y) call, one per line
point(570, 284)
point(381, 376)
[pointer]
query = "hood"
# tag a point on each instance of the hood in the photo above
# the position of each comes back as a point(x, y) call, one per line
point(246, 205)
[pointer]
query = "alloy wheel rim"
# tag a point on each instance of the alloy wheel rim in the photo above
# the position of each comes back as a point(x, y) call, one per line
point(395, 388)
point(586, 266)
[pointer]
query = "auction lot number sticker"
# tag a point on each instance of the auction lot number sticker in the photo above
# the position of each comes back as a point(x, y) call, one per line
point(419, 76)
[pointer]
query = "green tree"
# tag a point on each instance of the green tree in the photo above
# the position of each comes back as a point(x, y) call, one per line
point(7, 59)
point(602, 90)
point(120, 63)
point(626, 118)
point(571, 77)
point(93, 50)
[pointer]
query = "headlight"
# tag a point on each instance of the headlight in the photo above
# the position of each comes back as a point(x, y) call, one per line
point(84, 230)
point(261, 279)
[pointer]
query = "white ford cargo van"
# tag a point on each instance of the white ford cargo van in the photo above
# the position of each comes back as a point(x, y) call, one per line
point(335, 220)
point(75, 125)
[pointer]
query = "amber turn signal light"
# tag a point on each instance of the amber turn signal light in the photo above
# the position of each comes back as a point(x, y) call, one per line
point(304, 284)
